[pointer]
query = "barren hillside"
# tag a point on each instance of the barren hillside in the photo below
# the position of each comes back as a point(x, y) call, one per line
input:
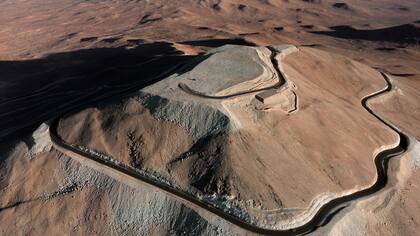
point(263, 133)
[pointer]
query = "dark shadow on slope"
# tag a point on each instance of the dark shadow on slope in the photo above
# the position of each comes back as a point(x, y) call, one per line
point(331, 215)
point(33, 91)
point(326, 220)
point(386, 49)
point(403, 74)
point(219, 42)
point(341, 5)
point(403, 34)
point(188, 222)
point(312, 45)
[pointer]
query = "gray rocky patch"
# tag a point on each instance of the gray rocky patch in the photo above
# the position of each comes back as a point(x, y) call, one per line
point(198, 119)
point(143, 210)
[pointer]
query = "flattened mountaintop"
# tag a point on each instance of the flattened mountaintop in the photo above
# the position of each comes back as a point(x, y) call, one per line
point(271, 164)
point(227, 68)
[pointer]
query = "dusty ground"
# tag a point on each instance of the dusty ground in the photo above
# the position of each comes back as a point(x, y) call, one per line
point(391, 211)
point(49, 193)
point(331, 138)
point(56, 54)
point(104, 41)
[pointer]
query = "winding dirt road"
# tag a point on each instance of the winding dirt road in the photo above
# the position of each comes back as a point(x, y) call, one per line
point(326, 211)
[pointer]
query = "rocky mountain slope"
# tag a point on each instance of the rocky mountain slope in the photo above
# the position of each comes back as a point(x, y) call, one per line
point(208, 146)
point(265, 156)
